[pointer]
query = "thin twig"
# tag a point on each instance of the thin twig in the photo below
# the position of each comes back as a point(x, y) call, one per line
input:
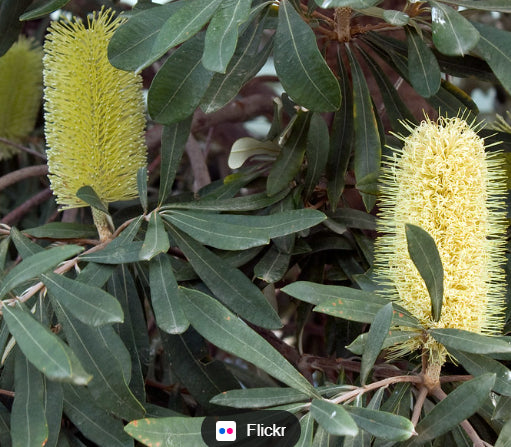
point(22, 148)
point(198, 163)
point(21, 174)
point(17, 213)
point(417, 409)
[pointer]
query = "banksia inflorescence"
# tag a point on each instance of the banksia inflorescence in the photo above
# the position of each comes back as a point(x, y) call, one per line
point(444, 181)
point(94, 113)
point(20, 92)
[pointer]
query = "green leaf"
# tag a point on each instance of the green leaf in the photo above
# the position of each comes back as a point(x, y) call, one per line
point(352, 218)
point(42, 8)
point(225, 330)
point(346, 302)
point(341, 139)
point(259, 397)
point(174, 431)
point(307, 430)
point(63, 230)
point(487, 5)
point(424, 254)
point(248, 147)
point(449, 100)
point(504, 439)
point(10, 25)
point(205, 228)
point(89, 196)
point(495, 47)
point(377, 333)
point(36, 264)
point(130, 48)
point(28, 420)
point(356, 4)
point(290, 158)
point(102, 353)
point(382, 424)
point(272, 266)
point(5, 431)
point(142, 187)
point(222, 34)
point(333, 418)
point(460, 404)
point(93, 422)
point(477, 365)
point(156, 240)
point(394, 17)
point(53, 404)
point(316, 152)
point(470, 341)
point(367, 138)
point(246, 62)
point(180, 83)
point(423, 70)
point(183, 24)
point(165, 293)
point(227, 283)
point(301, 69)
point(173, 142)
point(393, 337)
point(90, 304)
point(116, 254)
point(43, 348)
point(453, 34)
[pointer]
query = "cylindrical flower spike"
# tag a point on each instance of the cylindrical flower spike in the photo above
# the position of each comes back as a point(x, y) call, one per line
point(21, 79)
point(94, 113)
point(444, 181)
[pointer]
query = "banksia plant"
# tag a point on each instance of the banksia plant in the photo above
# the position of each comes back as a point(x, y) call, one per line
point(20, 92)
point(444, 181)
point(94, 114)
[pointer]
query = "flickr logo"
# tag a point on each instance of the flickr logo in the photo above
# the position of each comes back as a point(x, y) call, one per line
point(226, 431)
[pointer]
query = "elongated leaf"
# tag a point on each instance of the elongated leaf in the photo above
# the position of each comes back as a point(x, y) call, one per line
point(259, 397)
point(504, 439)
point(352, 218)
point(358, 4)
point(341, 139)
point(456, 407)
point(382, 424)
point(488, 5)
point(247, 147)
point(290, 158)
point(10, 25)
point(173, 142)
point(424, 254)
point(367, 138)
point(156, 239)
point(470, 341)
point(333, 418)
point(62, 230)
point(43, 348)
point(164, 296)
point(94, 423)
point(393, 337)
point(28, 421)
point(174, 431)
point(142, 187)
point(377, 333)
point(246, 62)
point(476, 365)
point(452, 33)
point(91, 305)
point(423, 70)
point(449, 100)
point(98, 350)
point(495, 47)
point(53, 404)
point(227, 283)
point(41, 8)
point(180, 83)
point(307, 430)
point(316, 152)
point(222, 328)
point(36, 264)
point(222, 34)
point(89, 196)
point(303, 72)
point(346, 302)
point(205, 228)
point(183, 24)
point(130, 47)
point(273, 265)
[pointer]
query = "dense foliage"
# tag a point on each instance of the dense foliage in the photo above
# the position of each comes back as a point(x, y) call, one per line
point(242, 277)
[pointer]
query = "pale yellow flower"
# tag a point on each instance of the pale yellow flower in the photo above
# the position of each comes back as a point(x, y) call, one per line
point(20, 92)
point(94, 113)
point(444, 181)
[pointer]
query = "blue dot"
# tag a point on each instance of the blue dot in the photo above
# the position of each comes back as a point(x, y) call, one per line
point(222, 431)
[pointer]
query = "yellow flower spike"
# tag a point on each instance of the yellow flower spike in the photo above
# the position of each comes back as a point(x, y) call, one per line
point(94, 113)
point(20, 92)
point(444, 181)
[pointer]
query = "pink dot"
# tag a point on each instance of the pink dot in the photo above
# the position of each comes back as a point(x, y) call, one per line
point(229, 431)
